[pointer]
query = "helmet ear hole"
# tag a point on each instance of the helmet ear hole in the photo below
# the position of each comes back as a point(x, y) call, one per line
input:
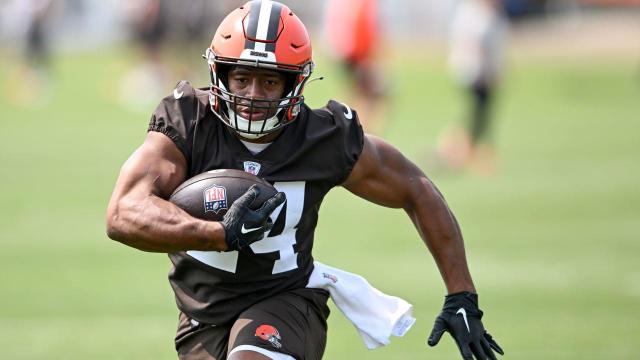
point(223, 74)
point(291, 80)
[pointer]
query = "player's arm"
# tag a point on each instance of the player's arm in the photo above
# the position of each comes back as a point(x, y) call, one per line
point(138, 214)
point(384, 176)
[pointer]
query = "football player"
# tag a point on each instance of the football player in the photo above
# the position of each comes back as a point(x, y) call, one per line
point(242, 293)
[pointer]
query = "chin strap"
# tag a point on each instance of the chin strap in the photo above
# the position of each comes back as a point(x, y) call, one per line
point(241, 125)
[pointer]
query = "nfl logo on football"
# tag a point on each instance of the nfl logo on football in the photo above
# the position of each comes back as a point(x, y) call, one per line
point(215, 198)
point(251, 167)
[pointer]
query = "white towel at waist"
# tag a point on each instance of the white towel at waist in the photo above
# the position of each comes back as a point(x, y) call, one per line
point(375, 315)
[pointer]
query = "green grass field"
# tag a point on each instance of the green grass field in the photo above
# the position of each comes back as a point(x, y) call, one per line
point(552, 239)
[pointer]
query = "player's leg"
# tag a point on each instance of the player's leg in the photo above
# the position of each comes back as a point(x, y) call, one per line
point(483, 157)
point(197, 341)
point(480, 116)
point(250, 352)
point(287, 326)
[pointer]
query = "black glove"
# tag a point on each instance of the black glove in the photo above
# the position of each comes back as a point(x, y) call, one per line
point(243, 226)
point(460, 316)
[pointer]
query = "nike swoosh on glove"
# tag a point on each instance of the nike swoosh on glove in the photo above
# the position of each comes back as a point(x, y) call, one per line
point(461, 317)
point(243, 226)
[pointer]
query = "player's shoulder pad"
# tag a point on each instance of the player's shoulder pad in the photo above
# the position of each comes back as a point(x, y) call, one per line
point(181, 107)
point(183, 101)
point(341, 112)
point(183, 91)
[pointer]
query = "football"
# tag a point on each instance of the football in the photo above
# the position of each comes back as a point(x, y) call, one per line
point(209, 195)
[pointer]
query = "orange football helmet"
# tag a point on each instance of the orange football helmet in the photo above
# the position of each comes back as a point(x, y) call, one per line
point(264, 34)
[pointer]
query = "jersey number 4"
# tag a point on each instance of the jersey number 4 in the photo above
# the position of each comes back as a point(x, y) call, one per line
point(282, 243)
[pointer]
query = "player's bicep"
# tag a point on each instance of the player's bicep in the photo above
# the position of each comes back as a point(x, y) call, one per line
point(157, 167)
point(383, 175)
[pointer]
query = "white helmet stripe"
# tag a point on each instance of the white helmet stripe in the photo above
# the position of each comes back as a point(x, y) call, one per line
point(263, 24)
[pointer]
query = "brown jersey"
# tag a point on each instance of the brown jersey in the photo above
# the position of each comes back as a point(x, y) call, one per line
point(312, 155)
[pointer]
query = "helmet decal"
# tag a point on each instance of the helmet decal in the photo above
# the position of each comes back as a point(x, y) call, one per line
point(262, 26)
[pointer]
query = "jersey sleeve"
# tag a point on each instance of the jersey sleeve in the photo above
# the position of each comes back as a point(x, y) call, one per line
point(176, 116)
point(350, 137)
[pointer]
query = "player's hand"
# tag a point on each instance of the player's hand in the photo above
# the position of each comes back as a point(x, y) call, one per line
point(243, 226)
point(461, 316)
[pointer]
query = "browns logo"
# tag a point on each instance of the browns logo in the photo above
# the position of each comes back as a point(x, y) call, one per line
point(270, 334)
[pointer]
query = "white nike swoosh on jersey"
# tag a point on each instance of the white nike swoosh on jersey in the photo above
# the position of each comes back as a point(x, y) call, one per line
point(245, 230)
point(347, 113)
point(464, 316)
point(177, 94)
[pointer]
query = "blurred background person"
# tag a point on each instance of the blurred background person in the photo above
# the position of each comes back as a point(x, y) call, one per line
point(476, 55)
point(192, 23)
point(192, 20)
point(353, 33)
point(31, 19)
point(148, 21)
point(169, 37)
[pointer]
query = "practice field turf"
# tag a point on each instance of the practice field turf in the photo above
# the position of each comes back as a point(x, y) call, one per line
point(552, 238)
